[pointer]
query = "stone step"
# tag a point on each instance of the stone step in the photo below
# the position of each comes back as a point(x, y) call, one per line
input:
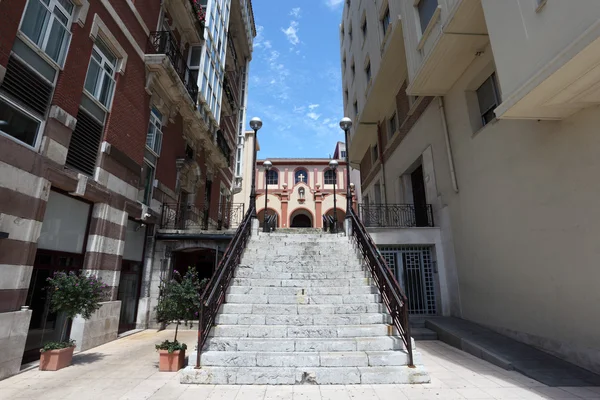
point(300, 260)
point(256, 269)
point(249, 273)
point(304, 319)
point(302, 283)
point(295, 291)
point(305, 359)
point(304, 375)
point(303, 299)
point(302, 309)
point(423, 334)
point(377, 343)
point(307, 331)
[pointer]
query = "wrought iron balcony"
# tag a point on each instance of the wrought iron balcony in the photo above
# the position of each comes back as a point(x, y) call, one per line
point(162, 42)
point(189, 217)
point(199, 8)
point(229, 93)
point(223, 146)
point(396, 215)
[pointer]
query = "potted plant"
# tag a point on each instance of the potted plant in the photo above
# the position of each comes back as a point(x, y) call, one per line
point(70, 294)
point(178, 302)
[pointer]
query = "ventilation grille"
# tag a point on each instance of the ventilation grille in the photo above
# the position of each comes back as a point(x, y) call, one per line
point(83, 149)
point(26, 86)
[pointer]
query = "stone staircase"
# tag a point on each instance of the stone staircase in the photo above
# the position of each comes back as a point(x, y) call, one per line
point(301, 310)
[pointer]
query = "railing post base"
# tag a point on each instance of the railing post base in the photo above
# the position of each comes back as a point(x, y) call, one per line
point(348, 227)
point(255, 227)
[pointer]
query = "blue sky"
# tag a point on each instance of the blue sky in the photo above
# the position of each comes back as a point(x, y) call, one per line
point(295, 77)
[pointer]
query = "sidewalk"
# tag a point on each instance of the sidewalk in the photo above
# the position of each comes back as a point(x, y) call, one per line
point(127, 369)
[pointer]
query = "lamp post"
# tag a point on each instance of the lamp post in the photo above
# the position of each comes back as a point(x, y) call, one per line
point(333, 164)
point(255, 124)
point(267, 165)
point(346, 124)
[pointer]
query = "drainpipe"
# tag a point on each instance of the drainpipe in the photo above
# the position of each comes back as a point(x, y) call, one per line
point(448, 148)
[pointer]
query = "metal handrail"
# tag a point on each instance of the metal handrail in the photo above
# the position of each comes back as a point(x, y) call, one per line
point(214, 293)
point(391, 292)
point(396, 215)
point(174, 216)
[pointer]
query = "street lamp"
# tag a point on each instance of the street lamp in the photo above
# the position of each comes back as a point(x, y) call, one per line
point(267, 165)
point(346, 124)
point(333, 164)
point(255, 124)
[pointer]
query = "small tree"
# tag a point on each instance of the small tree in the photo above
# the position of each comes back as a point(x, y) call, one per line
point(179, 301)
point(74, 294)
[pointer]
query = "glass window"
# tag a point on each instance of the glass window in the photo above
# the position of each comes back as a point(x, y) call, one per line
point(301, 176)
point(356, 108)
point(426, 9)
point(100, 79)
point(364, 28)
point(154, 136)
point(385, 21)
point(47, 23)
point(272, 177)
point(148, 182)
point(393, 125)
point(375, 150)
point(16, 123)
point(343, 154)
point(330, 177)
point(488, 98)
point(368, 71)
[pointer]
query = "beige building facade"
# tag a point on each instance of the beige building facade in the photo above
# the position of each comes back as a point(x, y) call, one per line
point(475, 128)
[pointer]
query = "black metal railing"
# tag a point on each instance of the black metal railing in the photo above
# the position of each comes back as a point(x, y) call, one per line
point(214, 293)
point(396, 215)
point(177, 216)
point(391, 292)
point(229, 94)
point(329, 223)
point(199, 9)
point(271, 222)
point(162, 42)
point(223, 146)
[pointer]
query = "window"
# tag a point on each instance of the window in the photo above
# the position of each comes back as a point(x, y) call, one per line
point(350, 33)
point(488, 98)
point(100, 79)
point(272, 177)
point(539, 4)
point(363, 28)
point(344, 63)
point(330, 178)
point(154, 136)
point(393, 125)
point(426, 9)
point(356, 108)
point(353, 69)
point(368, 71)
point(148, 181)
point(375, 154)
point(343, 153)
point(194, 64)
point(301, 176)
point(18, 124)
point(385, 21)
point(346, 95)
point(47, 23)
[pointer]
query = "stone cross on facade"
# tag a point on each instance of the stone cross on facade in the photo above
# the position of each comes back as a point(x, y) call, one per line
point(301, 177)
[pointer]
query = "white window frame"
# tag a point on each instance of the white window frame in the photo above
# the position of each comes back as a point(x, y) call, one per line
point(40, 130)
point(492, 78)
point(156, 121)
point(147, 161)
point(50, 7)
point(270, 174)
point(104, 61)
point(332, 181)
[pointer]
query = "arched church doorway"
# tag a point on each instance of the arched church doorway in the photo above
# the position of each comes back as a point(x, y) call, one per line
point(301, 221)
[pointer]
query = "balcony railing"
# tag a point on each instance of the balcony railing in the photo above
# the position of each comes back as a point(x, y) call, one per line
point(229, 93)
point(185, 217)
point(396, 215)
point(162, 42)
point(223, 146)
point(199, 7)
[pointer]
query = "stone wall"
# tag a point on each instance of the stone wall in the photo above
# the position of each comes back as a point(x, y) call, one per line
point(101, 328)
point(13, 333)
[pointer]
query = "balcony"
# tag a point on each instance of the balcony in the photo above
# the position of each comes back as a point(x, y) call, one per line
point(381, 91)
point(229, 93)
point(165, 62)
point(191, 16)
point(223, 146)
point(396, 215)
point(454, 36)
point(189, 218)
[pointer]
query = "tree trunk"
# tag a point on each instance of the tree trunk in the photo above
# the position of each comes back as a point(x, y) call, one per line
point(176, 328)
point(63, 334)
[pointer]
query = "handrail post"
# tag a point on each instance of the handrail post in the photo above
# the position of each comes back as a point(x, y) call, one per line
point(200, 334)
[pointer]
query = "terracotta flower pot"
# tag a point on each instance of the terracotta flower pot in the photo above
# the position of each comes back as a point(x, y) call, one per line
point(53, 360)
point(171, 362)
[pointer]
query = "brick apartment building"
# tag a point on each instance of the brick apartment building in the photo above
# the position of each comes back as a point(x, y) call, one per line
point(118, 124)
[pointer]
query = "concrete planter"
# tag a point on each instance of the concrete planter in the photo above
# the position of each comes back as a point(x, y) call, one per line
point(172, 362)
point(53, 360)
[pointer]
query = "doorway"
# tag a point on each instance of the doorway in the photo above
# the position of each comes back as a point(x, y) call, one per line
point(419, 197)
point(301, 221)
point(129, 294)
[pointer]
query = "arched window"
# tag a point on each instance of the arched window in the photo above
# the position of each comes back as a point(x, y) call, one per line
point(301, 193)
point(272, 177)
point(330, 177)
point(301, 176)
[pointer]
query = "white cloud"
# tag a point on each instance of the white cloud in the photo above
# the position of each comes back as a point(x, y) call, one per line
point(314, 116)
point(267, 44)
point(333, 4)
point(295, 12)
point(259, 39)
point(292, 33)
point(313, 106)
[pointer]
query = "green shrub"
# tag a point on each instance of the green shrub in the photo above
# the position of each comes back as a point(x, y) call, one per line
point(171, 346)
point(58, 345)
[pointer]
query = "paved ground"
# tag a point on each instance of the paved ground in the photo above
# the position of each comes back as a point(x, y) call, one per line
point(127, 369)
